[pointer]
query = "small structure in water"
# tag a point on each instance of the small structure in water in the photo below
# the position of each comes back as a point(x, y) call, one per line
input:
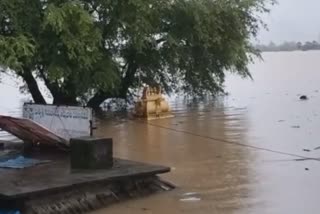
point(152, 104)
point(56, 176)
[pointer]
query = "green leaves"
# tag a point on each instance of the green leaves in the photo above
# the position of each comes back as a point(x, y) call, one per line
point(15, 50)
point(74, 33)
point(82, 46)
point(205, 39)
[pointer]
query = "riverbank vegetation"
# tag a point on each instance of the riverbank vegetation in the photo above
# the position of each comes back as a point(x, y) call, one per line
point(86, 51)
point(289, 46)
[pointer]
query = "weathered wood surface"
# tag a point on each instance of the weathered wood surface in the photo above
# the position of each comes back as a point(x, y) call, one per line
point(29, 131)
point(56, 176)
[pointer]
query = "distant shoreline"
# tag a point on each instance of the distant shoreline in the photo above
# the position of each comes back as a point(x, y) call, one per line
point(286, 51)
point(288, 46)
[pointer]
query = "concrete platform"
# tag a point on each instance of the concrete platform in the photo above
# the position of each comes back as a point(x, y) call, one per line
point(17, 185)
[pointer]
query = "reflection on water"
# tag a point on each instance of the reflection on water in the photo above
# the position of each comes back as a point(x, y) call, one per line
point(237, 154)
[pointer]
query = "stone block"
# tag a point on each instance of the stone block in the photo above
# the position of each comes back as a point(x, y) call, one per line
point(91, 153)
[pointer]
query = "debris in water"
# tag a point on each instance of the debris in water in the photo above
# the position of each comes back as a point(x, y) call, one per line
point(317, 148)
point(307, 169)
point(305, 159)
point(190, 199)
point(303, 97)
point(190, 193)
point(296, 127)
point(307, 150)
point(280, 121)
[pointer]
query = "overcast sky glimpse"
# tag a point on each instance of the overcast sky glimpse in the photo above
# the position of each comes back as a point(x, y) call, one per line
point(293, 20)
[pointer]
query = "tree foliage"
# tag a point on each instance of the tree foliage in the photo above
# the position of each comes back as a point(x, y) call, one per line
point(91, 50)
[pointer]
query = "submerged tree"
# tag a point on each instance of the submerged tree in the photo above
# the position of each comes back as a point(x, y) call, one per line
point(91, 50)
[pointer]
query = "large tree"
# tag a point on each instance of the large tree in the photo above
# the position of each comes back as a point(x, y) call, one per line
point(91, 50)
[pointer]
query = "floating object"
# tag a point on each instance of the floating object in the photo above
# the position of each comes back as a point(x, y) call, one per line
point(295, 127)
point(303, 97)
point(190, 199)
point(190, 193)
point(152, 105)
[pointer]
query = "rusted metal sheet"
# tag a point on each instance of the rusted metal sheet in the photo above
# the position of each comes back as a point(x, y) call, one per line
point(29, 131)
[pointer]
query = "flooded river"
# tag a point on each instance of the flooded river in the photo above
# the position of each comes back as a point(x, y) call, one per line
point(244, 153)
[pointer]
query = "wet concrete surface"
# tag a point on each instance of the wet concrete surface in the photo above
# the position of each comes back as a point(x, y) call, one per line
point(57, 176)
point(245, 153)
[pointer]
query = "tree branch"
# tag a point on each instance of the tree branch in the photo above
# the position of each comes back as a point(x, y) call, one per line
point(101, 96)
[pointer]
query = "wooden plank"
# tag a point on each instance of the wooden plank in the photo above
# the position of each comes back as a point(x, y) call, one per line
point(29, 131)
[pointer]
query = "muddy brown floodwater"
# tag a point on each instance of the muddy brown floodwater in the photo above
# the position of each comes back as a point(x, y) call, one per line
point(244, 153)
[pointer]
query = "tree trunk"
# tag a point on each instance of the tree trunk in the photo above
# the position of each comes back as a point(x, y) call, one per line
point(128, 80)
point(33, 87)
point(59, 98)
point(101, 96)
